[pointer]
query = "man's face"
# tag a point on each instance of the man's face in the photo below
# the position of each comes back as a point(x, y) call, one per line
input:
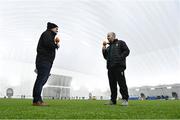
point(55, 29)
point(110, 37)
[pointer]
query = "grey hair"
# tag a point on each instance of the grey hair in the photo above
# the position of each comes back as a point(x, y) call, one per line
point(113, 33)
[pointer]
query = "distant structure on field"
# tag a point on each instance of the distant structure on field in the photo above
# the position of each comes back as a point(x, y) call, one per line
point(9, 92)
point(159, 92)
point(58, 87)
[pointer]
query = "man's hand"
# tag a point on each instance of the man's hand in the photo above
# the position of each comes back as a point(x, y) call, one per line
point(57, 40)
point(104, 44)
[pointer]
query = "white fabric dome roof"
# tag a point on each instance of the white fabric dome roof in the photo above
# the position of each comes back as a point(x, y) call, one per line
point(149, 27)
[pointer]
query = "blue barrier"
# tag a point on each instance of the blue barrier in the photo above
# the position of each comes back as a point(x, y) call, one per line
point(151, 98)
point(133, 98)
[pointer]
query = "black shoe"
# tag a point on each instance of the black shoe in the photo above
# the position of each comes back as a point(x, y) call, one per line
point(110, 103)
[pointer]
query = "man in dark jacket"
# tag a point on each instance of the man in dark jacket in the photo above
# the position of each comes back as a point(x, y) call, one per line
point(116, 54)
point(46, 51)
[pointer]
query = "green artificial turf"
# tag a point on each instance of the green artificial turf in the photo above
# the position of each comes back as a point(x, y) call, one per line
point(89, 109)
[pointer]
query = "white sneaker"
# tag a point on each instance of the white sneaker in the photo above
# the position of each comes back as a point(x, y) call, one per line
point(124, 103)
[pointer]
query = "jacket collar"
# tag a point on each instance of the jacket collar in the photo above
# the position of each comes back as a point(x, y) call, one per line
point(115, 40)
point(52, 33)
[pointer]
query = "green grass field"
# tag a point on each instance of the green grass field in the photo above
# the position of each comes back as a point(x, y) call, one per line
point(85, 109)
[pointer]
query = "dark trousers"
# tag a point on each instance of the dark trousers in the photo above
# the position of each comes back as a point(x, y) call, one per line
point(116, 75)
point(43, 71)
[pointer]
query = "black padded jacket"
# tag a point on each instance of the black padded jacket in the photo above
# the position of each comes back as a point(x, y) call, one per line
point(116, 54)
point(46, 49)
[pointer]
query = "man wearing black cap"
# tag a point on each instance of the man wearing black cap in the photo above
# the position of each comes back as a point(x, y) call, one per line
point(46, 51)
